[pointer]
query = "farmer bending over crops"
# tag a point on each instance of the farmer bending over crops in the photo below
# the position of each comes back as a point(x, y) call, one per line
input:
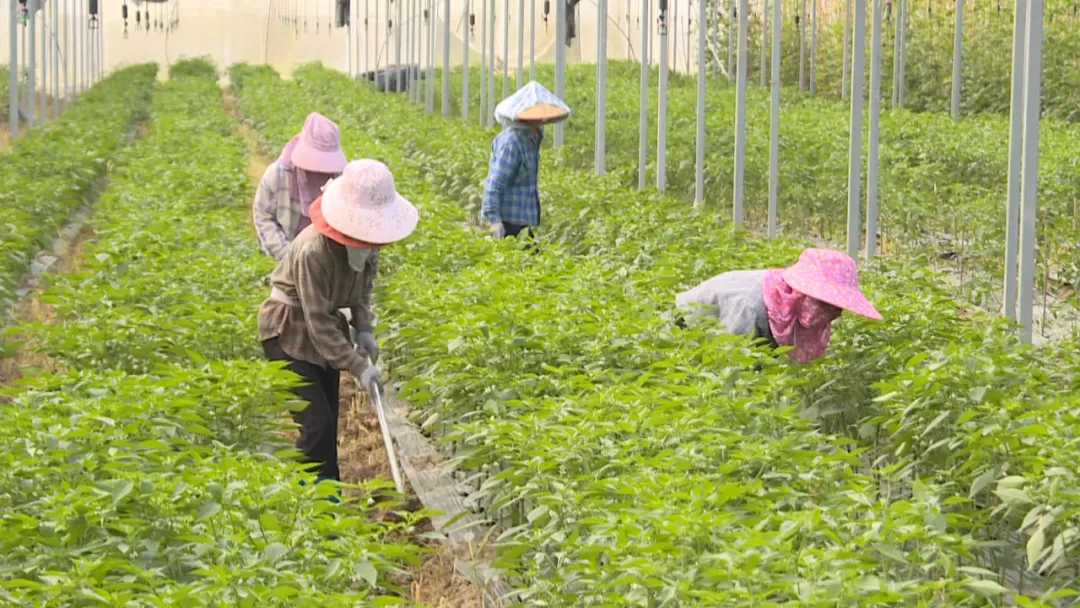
point(512, 190)
point(792, 306)
point(292, 183)
point(332, 265)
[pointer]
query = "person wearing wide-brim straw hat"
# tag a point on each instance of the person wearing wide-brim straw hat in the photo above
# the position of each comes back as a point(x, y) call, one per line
point(332, 265)
point(793, 306)
point(512, 190)
point(291, 184)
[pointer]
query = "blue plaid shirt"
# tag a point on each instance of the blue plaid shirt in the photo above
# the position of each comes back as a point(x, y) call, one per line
point(512, 190)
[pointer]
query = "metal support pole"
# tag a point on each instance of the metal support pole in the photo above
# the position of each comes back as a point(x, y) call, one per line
point(802, 45)
point(32, 44)
point(397, 42)
point(430, 83)
point(491, 25)
point(858, 71)
point(465, 63)
point(446, 59)
point(405, 38)
point(506, 48)
point(67, 60)
point(643, 136)
point(13, 69)
point(847, 51)
point(774, 121)
point(532, 40)
point(875, 128)
point(484, 110)
point(740, 117)
point(957, 64)
point(43, 20)
point(54, 45)
point(601, 86)
point(378, 49)
point(1029, 185)
point(560, 64)
point(1016, 139)
point(703, 59)
point(367, 36)
point(896, 56)
point(903, 53)
point(764, 40)
point(83, 47)
point(661, 105)
point(813, 48)
point(521, 44)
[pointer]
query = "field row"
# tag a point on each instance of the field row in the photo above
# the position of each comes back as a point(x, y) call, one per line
point(925, 459)
point(136, 476)
point(60, 167)
point(942, 190)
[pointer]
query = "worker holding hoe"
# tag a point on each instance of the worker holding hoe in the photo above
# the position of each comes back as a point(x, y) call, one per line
point(332, 264)
point(512, 189)
point(792, 306)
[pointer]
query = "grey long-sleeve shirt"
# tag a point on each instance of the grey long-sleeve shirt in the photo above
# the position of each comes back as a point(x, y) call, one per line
point(736, 299)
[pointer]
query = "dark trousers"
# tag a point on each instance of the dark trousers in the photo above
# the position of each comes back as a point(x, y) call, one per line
point(517, 229)
point(319, 421)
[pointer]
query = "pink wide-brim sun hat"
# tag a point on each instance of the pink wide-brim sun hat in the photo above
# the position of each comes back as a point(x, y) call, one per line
point(364, 204)
point(318, 146)
point(832, 277)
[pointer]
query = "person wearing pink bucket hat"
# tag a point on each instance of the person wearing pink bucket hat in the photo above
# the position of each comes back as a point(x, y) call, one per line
point(291, 184)
point(332, 265)
point(793, 306)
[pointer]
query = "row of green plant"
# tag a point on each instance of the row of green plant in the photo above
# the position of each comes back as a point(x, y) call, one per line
point(138, 476)
point(986, 66)
point(57, 168)
point(942, 185)
point(925, 460)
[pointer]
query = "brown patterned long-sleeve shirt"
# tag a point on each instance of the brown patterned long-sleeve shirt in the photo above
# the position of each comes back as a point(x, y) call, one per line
point(315, 275)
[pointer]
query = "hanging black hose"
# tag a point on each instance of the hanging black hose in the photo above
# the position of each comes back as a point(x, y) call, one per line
point(472, 23)
point(547, 10)
point(124, 13)
point(344, 14)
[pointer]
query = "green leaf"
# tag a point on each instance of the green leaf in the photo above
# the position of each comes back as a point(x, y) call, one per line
point(274, 552)
point(986, 588)
point(208, 510)
point(366, 571)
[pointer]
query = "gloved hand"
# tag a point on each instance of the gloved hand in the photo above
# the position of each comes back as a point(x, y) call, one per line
point(498, 230)
point(370, 375)
point(365, 344)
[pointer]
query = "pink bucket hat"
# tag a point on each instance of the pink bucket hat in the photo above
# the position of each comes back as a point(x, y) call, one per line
point(318, 146)
point(832, 277)
point(363, 204)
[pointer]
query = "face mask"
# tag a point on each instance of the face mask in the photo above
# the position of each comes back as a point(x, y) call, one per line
point(814, 313)
point(358, 258)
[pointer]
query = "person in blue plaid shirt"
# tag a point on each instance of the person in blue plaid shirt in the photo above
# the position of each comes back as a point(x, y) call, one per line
point(512, 190)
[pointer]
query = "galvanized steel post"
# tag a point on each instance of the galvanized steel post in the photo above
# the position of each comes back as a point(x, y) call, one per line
point(875, 126)
point(1029, 186)
point(560, 63)
point(643, 110)
point(601, 87)
point(858, 71)
point(661, 101)
point(958, 59)
point(740, 118)
point(699, 169)
point(774, 121)
point(1016, 139)
point(446, 59)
